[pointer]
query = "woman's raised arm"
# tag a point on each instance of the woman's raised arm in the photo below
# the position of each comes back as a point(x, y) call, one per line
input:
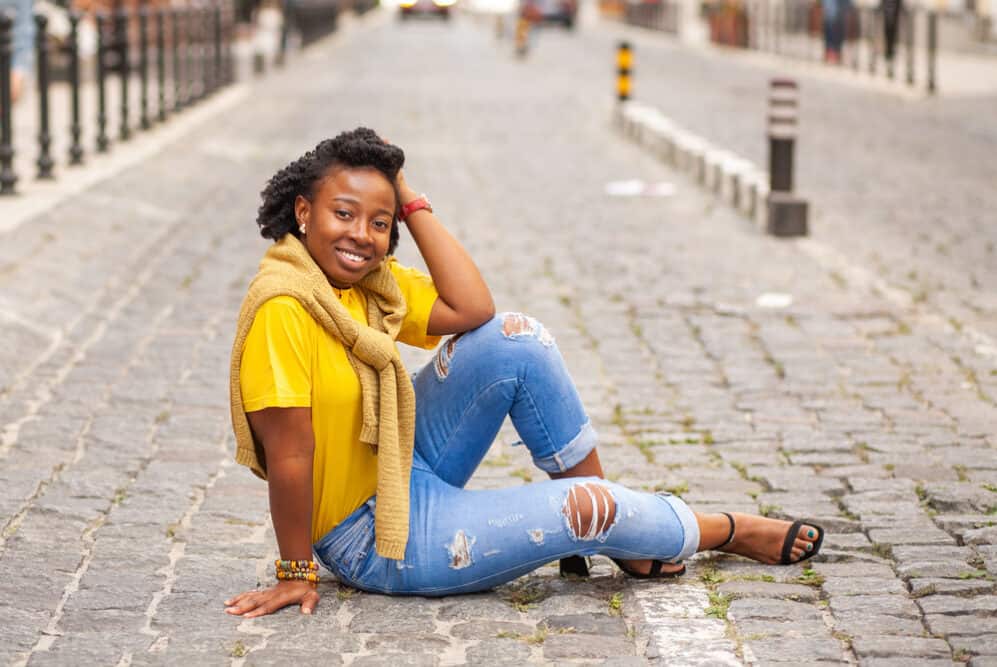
point(289, 443)
point(465, 301)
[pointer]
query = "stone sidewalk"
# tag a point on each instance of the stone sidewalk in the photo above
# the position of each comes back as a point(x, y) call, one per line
point(125, 523)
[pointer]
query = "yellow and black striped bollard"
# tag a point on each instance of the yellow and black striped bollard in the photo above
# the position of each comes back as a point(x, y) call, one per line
point(624, 65)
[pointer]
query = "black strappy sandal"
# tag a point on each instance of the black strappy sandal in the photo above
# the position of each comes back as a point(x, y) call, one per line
point(655, 571)
point(574, 566)
point(578, 566)
point(786, 556)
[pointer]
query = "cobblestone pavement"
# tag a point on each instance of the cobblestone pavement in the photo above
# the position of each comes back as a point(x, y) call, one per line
point(903, 186)
point(125, 522)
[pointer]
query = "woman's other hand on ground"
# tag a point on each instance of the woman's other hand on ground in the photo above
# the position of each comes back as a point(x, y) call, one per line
point(262, 602)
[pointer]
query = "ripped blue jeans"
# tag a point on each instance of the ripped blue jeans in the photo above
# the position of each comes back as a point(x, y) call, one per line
point(461, 541)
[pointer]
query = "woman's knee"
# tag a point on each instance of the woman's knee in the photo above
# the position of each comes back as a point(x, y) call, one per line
point(491, 342)
point(590, 510)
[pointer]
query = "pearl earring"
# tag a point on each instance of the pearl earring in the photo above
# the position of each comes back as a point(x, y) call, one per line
point(301, 228)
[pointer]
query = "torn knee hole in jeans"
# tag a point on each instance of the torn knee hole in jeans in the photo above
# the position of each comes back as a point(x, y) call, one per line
point(441, 364)
point(589, 511)
point(516, 325)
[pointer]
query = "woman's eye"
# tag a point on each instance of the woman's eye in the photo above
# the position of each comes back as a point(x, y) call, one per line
point(382, 224)
point(343, 213)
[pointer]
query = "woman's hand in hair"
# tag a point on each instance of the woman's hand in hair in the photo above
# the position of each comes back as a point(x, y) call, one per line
point(262, 602)
point(406, 193)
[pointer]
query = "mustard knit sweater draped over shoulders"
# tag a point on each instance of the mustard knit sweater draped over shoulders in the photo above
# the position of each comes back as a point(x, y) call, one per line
point(388, 400)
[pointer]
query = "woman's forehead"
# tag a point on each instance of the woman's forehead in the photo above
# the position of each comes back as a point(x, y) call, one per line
point(363, 182)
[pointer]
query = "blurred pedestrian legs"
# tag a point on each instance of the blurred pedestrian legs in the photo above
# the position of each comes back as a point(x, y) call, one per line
point(834, 13)
point(892, 11)
point(23, 54)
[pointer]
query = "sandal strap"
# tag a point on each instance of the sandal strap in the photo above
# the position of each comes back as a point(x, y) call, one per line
point(730, 536)
point(786, 558)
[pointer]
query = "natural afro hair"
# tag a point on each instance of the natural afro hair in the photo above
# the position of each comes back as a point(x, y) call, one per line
point(357, 148)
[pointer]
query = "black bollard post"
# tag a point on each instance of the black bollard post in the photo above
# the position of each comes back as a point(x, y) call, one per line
point(856, 42)
point(178, 91)
point(787, 214)
point(910, 21)
point(227, 74)
point(219, 73)
point(7, 176)
point(285, 25)
point(874, 30)
point(207, 51)
point(44, 161)
point(102, 50)
point(161, 63)
point(624, 65)
point(782, 133)
point(203, 52)
point(143, 67)
point(190, 56)
point(932, 49)
point(75, 127)
point(124, 69)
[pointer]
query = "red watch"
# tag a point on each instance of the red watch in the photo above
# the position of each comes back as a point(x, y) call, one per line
point(417, 204)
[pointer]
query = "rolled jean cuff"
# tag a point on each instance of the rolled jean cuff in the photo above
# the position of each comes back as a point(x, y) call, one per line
point(690, 527)
point(572, 453)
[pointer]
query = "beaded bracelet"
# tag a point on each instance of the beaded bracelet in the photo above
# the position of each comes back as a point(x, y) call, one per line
point(297, 570)
point(296, 565)
point(310, 577)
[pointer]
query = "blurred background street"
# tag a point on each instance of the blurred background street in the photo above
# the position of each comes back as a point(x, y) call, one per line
point(848, 375)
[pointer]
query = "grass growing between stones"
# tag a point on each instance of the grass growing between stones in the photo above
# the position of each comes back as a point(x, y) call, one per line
point(524, 595)
point(768, 510)
point(238, 650)
point(497, 461)
point(539, 636)
point(674, 489)
point(719, 605)
point(882, 550)
point(616, 604)
point(810, 577)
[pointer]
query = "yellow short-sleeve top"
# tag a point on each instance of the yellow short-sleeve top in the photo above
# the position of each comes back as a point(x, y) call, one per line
point(289, 360)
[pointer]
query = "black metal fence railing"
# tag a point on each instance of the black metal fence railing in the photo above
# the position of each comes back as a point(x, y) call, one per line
point(888, 39)
point(660, 15)
point(174, 57)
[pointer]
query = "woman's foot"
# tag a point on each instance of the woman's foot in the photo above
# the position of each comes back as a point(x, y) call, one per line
point(757, 537)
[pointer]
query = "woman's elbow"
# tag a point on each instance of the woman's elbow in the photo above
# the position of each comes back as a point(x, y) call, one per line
point(481, 314)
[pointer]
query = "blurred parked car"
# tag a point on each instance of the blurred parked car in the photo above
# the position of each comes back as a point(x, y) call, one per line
point(550, 11)
point(431, 8)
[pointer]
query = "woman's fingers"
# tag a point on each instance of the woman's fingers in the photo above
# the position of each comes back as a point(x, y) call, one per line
point(238, 598)
point(259, 603)
point(244, 603)
point(308, 602)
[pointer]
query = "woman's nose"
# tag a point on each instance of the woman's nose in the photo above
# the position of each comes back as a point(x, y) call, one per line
point(359, 230)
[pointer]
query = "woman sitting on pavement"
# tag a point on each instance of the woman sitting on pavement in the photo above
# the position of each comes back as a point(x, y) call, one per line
point(366, 466)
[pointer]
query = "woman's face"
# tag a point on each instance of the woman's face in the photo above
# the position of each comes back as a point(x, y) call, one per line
point(348, 223)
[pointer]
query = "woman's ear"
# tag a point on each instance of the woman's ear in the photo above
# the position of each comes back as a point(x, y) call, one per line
point(302, 211)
